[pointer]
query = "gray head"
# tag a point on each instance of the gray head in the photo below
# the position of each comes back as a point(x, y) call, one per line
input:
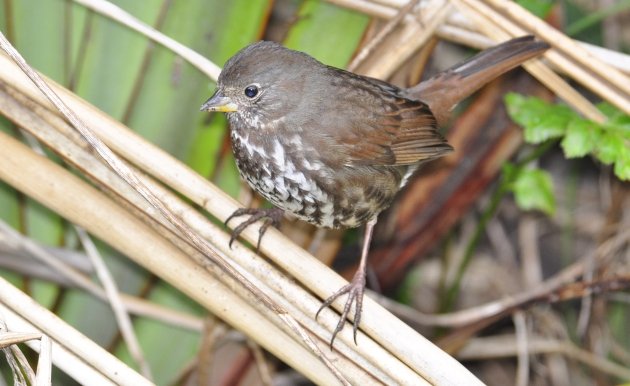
point(263, 82)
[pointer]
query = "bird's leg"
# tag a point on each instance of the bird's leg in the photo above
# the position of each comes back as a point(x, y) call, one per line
point(272, 216)
point(354, 289)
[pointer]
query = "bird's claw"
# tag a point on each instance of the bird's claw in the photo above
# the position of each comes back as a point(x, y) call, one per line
point(355, 290)
point(272, 216)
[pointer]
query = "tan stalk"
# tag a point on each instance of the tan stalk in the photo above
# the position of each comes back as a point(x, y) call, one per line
point(72, 352)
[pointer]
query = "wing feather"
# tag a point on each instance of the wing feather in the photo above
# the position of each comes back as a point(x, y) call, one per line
point(383, 127)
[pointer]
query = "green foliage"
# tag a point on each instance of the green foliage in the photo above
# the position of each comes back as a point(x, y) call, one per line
point(327, 32)
point(540, 8)
point(540, 120)
point(532, 188)
point(579, 138)
point(608, 142)
point(591, 20)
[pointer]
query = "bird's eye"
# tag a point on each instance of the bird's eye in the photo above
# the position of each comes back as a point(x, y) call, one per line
point(251, 91)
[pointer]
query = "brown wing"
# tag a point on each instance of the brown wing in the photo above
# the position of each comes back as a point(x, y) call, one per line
point(416, 136)
point(384, 128)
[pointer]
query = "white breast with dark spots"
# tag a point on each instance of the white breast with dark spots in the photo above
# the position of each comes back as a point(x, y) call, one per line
point(285, 178)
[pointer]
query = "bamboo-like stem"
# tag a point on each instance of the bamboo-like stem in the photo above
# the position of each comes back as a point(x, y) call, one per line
point(386, 30)
point(413, 36)
point(498, 28)
point(459, 28)
point(495, 27)
point(504, 346)
point(575, 53)
point(88, 362)
point(135, 305)
point(113, 296)
point(57, 189)
point(11, 337)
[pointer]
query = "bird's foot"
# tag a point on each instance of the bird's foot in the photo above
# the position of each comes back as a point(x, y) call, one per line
point(272, 216)
point(355, 290)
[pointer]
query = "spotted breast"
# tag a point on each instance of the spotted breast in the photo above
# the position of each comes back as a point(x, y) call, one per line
point(292, 174)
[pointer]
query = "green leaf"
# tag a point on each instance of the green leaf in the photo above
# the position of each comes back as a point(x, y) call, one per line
point(523, 110)
point(613, 146)
point(510, 171)
point(541, 120)
point(327, 32)
point(609, 110)
point(540, 8)
point(617, 120)
point(533, 190)
point(592, 20)
point(609, 147)
point(226, 28)
point(579, 139)
point(622, 165)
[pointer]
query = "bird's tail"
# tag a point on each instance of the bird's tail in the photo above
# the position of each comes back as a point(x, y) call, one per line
point(443, 91)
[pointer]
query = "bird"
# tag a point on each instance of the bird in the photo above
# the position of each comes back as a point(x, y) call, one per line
point(332, 147)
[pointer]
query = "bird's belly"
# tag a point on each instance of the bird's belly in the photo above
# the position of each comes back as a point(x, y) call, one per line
point(292, 191)
point(306, 188)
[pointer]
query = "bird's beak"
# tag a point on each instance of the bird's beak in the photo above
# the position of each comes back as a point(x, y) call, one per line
point(219, 102)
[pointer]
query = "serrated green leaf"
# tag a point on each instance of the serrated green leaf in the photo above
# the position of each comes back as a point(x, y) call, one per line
point(533, 190)
point(622, 165)
point(524, 111)
point(549, 126)
point(579, 139)
point(541, 121)
point(609, 147)
point(617, 120)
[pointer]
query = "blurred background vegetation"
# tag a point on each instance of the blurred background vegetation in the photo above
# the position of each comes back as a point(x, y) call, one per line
point(563, 208)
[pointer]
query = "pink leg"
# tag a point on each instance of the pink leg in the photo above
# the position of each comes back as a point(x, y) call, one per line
point(354, 289)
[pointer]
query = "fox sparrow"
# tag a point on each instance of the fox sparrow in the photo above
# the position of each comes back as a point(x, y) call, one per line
point(333, 147)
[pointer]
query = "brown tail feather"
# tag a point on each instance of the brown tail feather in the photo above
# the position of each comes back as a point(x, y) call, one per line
point(443, 91)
